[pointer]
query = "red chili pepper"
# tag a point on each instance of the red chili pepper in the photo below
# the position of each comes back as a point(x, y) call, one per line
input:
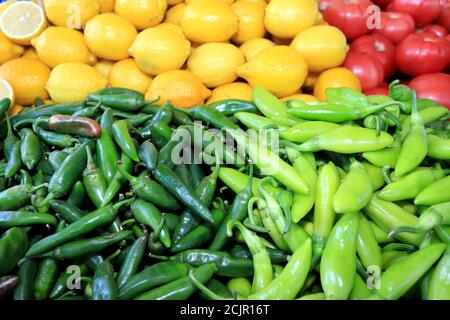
point(82, 126)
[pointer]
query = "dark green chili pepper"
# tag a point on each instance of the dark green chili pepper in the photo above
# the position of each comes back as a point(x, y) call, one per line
point(196, 172)
point(17, 196)
point(132, 261)
point(10, 219)
point(56, 158)
point(88, 112)
point(30, 148)
point(7, 285)
point(276, 255)
point(148, 154)
point(107, 155)
point(227, 265)
point(212, 116)
point(14, 162)
point(79, 248)
point(92, 221)
point(10, 139)
point(229, 107)
point(61, 140)
point(107, 120)
point(201, 234)
point(41, 194)
point(94, 182)
point(81, 126)
point(182, 288)
point(77, 195)
point(237, 212)
point(115, 91)
point(26, 274)
point(184, 193)
point(13, 246)
point(104, 286)
point(61, 283)
point(45, 167)
point(150, 190)
point(5, 104)
point(182, 171)
point(218, 288)
point(118, 181)
point(122, 137)
point(121, 101)
point(181, 118)
point(153, 276)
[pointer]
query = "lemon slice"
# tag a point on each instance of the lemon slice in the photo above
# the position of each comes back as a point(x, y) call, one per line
point(23, 21)
point(6, 91)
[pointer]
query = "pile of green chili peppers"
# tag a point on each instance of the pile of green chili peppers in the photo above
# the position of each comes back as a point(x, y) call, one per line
point(352, 203)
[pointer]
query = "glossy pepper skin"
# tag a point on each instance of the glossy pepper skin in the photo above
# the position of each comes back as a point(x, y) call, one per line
point(438, 148)
point(104, 286)
point(30, 148)
point(13, 246)
point(230, 107)
point(94, 181)
point(307, 130)
point(433, 194)
point(15, 161)
point(338, 264)
point(369, 252)
point(439, 283)
point(122, 137)
point(132, 261)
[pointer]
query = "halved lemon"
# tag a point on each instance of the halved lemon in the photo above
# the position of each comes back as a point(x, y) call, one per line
point(22, 21)
point(6, 91)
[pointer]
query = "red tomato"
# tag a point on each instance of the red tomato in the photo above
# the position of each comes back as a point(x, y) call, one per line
point(434, 86)
point(422, 53)
point(395, 26)
point(438, 30)
point(423, 11)
point(383, 89)
point(366, 67)
point(382, 3)
point(444, 20)
point(348, 15)
point(379, 47)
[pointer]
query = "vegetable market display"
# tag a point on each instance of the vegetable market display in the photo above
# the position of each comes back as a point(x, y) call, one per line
point(355, 206)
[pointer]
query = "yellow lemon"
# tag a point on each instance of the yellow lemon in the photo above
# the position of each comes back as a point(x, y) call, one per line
point(73, 81)
point(22, 21)
point(335, 78)
point(72, 14)
point(172, 27)
point(300, 96)
point(215, 63)
point(209, 21)
point(235, 90)
point(157, 50)
point(251, 20)
point(142, 13)
point(175, 14)
point(311, 80)
point(106, 5)
point(109, 36)
point(252, 47)
point(27, 77)
point(261, 2)
point(180, 87)
point(104, 67)
point(174, 2)
point(30, 53)
point(5, 5)
point(224, 1)
point(8, 50)
point(126, 74)
point(57, 45)
point(286, 18)
point(322, 47)
point(6, 91)
point(279, 69)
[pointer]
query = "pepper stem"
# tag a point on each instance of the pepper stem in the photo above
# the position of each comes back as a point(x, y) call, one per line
point(155, 234)
point(208, 292)
point(122, 171)
point(399, 246)
point(120, 204)
point(254, 227)
point(386, 174)
point(114, 255)
point(284, 199)
point(163, 258)
point(403, 229)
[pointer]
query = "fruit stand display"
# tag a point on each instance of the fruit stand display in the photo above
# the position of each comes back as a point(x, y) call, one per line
point(116, 118)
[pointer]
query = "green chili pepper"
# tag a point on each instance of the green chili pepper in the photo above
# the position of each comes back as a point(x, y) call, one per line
point(348, 139)
point(132, 261)
point(5, 104)
point(355, 191)
point(103, 285)
point(211, 116)
point(307, 130)
point(414, 147)
point(94, 182)
point(241, 286)
point(13, 246)
point(201, 234)
point(115, 91)
point(107, 155)
point(122, 137)
point(266, 159)
point(30, 148)
point(346, 96)
point(149, 215)
point(17, 196)
point(367, 245)
point(375, 174)
point(55, 139)
point(121, 101)
point(360, 290)
point(56, 158)
point(10, 139)
point(77, 195)
point(254, 121)
point(427, 115)
point(439, 283)
point(276, 255)
point(60, 286)
point(338, 264)
point(196, 172)
point(401, 276)
point(230, 107)
point(15, 161)
point(400, 92)
point(119, 180)
point(433, 194)
point(389, 215)
point(327, 184)
point(79, 248)
point(384, 157)
point(180, 289)
point(184, 193)
point(156, 275)
point(148, 154)
point(438, 148)
point(26, 273)
point(86, 224)
point(9, 219)
point(409, 186)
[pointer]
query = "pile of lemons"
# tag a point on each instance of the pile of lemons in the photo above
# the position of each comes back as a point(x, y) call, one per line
point(188, 52)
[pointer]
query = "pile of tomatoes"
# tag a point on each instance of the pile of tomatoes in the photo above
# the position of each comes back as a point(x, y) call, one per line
point(407, 39)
